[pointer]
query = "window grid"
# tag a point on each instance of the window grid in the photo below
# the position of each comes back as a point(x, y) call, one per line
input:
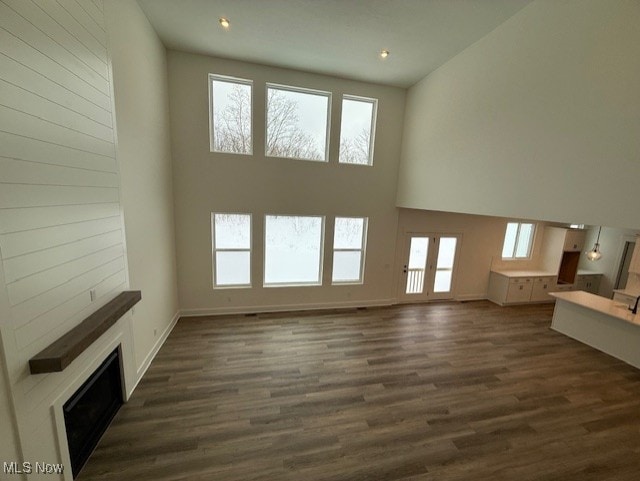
point(216, 250)
point(360, 250)
point(516, 244)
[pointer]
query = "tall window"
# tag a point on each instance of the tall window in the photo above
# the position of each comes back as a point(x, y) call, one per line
point(349, 239)
point(293, 250)
point(231, 234)
point(297, 123)
point(518, 240)
point(357, 130)
point(230, 114)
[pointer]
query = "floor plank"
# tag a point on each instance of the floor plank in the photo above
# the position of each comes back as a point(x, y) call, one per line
point(442, 391)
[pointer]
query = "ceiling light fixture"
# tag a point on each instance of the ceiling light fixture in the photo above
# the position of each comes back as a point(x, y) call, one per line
point(384, 54)
point(224, 22)
point(595, 254)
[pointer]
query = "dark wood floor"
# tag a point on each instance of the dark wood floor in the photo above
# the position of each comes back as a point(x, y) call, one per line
point(447, 391)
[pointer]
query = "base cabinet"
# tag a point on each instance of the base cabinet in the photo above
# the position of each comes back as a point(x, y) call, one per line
point(506, 289)
point(588, 282)
point(542, 286)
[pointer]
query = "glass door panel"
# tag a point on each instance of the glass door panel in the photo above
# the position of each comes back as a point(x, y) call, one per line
point(418, 253)
point(444, 265)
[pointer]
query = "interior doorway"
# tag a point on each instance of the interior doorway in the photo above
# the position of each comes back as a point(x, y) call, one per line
point(623, 269)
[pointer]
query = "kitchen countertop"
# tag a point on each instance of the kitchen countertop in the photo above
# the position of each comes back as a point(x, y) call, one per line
point(627, 292)
point(532, 273)
point(537, 273)
point(599, 304)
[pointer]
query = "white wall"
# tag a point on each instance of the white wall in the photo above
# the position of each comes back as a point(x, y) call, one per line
point(144, 155)
point(208, 182)
point(61, 231)
point(62, 210)
point(539, 119)
point(480, 249)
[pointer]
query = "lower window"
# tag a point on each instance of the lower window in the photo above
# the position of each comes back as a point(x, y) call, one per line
point(349, 238)
point(293, 250)
point(231, 234)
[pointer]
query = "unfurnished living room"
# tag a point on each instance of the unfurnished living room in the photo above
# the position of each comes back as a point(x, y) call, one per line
point(319, 240)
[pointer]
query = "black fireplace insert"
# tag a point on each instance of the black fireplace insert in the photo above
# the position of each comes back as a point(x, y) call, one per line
point(90, 410)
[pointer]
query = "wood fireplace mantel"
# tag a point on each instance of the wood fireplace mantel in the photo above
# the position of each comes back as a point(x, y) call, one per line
point(62, 352)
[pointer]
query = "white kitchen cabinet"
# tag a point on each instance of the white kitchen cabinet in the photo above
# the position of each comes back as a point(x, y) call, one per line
point(574, 240)
point(520, 287)
point(542, 286)
point(588, 282)
point(561, 248)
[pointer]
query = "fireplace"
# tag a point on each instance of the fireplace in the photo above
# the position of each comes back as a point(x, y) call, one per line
point(90, 410)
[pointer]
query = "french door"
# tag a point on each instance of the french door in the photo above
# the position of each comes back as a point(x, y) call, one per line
point(429, 266)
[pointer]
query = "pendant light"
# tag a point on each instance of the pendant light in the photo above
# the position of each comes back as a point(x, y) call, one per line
point(595, 254)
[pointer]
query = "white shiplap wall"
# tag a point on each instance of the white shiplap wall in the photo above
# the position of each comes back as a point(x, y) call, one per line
point(61, 232)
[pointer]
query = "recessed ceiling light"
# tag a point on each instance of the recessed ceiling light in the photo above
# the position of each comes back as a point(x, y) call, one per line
point(384, 53)
point(224, 22)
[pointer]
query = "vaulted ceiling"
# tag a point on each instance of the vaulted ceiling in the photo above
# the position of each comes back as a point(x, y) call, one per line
point(336, 37)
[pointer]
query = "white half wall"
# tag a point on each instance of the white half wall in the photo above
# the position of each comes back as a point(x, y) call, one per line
point(207, 182)
point(539, 119)
point(144, 154)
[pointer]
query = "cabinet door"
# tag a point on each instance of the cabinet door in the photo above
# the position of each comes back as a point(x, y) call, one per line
point(541, 288)
point(574, 240)
point(519, 289)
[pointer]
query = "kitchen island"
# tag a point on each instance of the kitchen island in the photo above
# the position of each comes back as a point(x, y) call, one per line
point(599, 322)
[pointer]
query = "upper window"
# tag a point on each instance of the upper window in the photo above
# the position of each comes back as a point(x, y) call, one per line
point(230, 114)
point(349, 240)
point(518, 240)
point(231, 234)
point(297, 123)
point(357, 130)
point(293, 250)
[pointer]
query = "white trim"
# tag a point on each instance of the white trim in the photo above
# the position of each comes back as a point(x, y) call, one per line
point(154, 351)
point(56, 409)
point(213, 311)
point(472, 297)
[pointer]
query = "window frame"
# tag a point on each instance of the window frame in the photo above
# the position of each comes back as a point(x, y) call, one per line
point(233, 80)
point(517, 240)
point(303, 90)
point(214, 250)
point(372, 134)
point(320, 260)
point(362, 250)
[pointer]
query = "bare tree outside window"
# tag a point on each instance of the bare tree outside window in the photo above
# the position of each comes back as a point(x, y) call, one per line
point(296, 124)
point(231, 117)
point(356, 130)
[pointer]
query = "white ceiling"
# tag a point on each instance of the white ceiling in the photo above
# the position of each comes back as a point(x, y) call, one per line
point(336, 37)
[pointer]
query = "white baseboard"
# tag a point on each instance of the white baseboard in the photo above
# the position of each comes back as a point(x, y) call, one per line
point(217, 311)
point(154, 351)
point(472, 297)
